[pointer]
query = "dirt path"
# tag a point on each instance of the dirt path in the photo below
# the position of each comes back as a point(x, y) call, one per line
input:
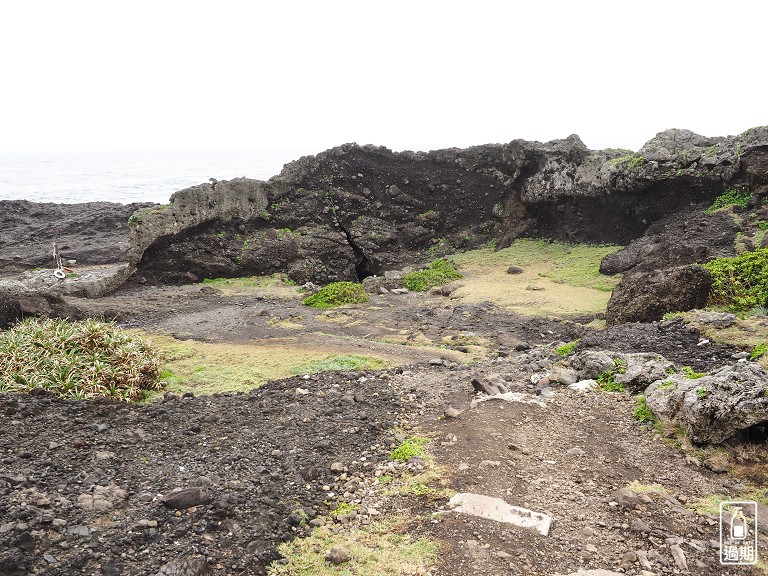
point(84, 488)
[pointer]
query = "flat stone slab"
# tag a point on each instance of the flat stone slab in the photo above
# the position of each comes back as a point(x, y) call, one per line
point(510, 397)
point(599, 572)
point(496, 509)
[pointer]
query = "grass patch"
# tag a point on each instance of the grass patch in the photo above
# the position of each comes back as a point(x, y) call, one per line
point(758, 351)
point(337, 294)
point(740, 283)
point(77, 360)
point(568, 273)
point(208, 368)
point(640, 488)
point(747, 333)
point(340, 362)
point(641, 411)
point(382, 549)
point(413, 447)
point(566, 349)
point(731, 197)
point(276, 286)
point(438, 273)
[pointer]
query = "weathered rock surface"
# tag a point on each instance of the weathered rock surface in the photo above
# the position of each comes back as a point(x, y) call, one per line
point(92, 233)
point(714, 407)
point(647, 296)
point(354, 211)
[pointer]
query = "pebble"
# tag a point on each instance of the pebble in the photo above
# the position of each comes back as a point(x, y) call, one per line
point(451, 412)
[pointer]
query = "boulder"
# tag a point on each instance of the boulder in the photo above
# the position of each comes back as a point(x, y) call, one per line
point(647, 296)
point(591, 363)
point(714, 407)
point(642, 370)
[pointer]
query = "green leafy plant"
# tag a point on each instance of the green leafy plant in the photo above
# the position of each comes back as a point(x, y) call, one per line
point(620, 364)
point(413, 447)
point(607, 382)
point(671, 316)
point(758, 351)
point(641, 412)
point(701, 393)
point(731, 197)
point(691, 374)
point(666, 385)
point(345, 508)
point(741, 282)
point(566, 349)
point(337, 294)
point(439, 272)
point(78, 360)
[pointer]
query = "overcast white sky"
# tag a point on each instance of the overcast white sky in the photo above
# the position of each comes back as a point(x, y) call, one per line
point(160, 74)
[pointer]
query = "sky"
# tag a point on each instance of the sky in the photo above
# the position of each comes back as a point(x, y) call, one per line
point(417, 74)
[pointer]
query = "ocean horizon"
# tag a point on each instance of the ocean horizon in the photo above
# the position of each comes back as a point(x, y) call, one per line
point(72, 177)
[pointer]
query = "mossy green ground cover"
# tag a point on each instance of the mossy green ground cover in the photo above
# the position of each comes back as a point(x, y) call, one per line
point(558, 279)
point(208, 368)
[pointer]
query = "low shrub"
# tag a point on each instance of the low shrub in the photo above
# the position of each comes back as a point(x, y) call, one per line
point(607, 382)
point(78, 360)
point(439, 272)
point(740, 283)
point(641, 412)
point(337, 294)
point(731, 197)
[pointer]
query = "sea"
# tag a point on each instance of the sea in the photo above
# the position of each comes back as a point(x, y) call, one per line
point(129, 176)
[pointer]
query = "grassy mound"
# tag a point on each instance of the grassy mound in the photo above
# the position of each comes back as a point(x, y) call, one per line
point(79, 360)
point(740, 283)
point(337, 294)
point(439, 272)
point(731, 197)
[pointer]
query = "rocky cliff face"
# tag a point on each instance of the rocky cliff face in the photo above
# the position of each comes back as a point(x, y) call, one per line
point(354, 211)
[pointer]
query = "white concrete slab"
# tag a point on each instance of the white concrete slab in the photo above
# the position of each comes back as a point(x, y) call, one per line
point(496, 509)
point(510, 397)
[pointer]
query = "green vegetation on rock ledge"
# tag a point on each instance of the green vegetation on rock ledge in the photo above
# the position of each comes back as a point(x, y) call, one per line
point(740, 283)
point(438, 273)
point(731, 197)
point(77, 360)
point(566, 349)
point(337, 294)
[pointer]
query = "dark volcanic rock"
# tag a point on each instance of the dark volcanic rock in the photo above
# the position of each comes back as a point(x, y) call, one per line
point(684, 237)
point(354, 211)
point(647, 296)
point(186, 567)
point(185, 498)
point(91, 233)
